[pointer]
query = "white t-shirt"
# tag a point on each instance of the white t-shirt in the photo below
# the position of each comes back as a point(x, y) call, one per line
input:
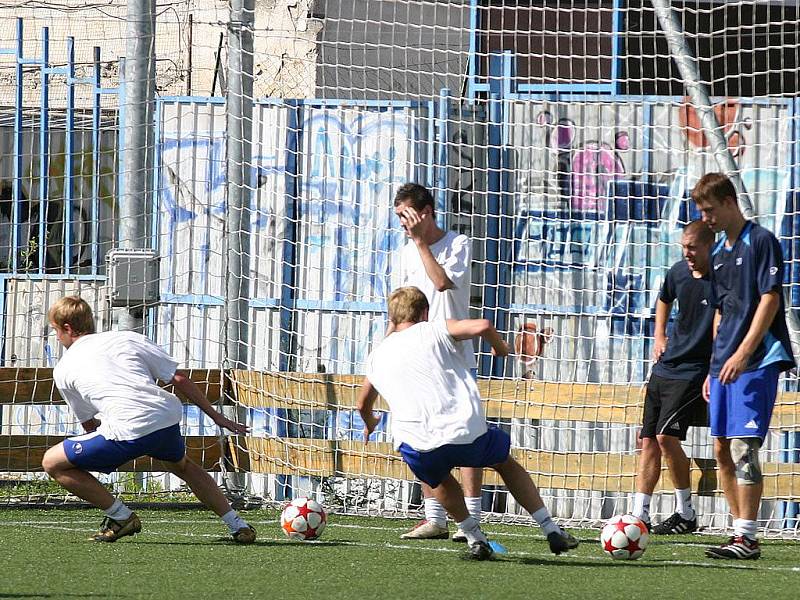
point(453, 253)
point(112, 376)
point(432, 395)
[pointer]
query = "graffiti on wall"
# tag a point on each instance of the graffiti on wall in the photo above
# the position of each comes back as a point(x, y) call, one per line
point(345, 167)
point(599, 208)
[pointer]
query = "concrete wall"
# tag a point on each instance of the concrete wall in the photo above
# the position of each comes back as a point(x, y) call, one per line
point(284, 40)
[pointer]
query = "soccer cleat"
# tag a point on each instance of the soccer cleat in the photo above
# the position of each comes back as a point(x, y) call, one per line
point(739, 547)
point(561, 541)
point(245, 535)
point(459, 536)
point(480, 551)
point(426, 530)
point(111, 530)
point(676, 524)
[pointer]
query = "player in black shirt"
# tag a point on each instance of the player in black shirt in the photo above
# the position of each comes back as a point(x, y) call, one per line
point(674, 397)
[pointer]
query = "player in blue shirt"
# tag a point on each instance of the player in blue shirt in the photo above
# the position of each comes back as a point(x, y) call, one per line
point(674, 398)
point(751, 348)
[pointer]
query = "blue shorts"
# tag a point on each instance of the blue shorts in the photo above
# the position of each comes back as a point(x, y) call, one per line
point(93, 452)
point(432, 467)
point(743, 409)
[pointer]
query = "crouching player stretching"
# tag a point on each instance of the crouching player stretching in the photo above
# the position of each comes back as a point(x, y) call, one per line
point(112, 375)
point(437, 414)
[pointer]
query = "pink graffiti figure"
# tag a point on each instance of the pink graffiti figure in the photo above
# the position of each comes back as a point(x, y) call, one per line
point(589, 168)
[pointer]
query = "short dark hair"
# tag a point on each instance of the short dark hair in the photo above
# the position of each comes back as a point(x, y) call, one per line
point(703, 232)
point(418, 195)
point(714, 186)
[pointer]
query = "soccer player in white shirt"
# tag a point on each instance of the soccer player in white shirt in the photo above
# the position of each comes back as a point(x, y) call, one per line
point(112, 376)
point(438, 263)
point(438, 421)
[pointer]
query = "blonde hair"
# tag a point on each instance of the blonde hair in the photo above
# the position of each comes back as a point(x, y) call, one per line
point(75, 311)
point(406, 305)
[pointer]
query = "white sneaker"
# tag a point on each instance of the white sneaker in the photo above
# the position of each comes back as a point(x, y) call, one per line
point(426, 530)
point(459, 536)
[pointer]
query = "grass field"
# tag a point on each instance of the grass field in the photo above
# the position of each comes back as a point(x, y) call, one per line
point(181, 554)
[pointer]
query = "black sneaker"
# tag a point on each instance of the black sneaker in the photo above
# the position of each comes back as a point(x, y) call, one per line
point(561, 541)
point(739, 547)
point(676, 524)
point(480, 551)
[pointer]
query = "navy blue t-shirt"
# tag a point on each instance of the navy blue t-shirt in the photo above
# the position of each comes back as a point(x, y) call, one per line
point(740, 275)
point(689, 346)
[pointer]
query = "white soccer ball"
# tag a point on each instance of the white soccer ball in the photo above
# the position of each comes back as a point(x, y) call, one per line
point(624, 537)
point(303, 519)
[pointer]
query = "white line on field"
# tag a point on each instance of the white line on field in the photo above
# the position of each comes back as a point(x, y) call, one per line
point(424, 548)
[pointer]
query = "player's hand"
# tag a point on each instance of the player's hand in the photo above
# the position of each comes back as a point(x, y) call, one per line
point(707, 388)
point(659, 347)
point(733, 367)
point(413, 222)
point(225, 423)
point(370, 423)
point(505, 350)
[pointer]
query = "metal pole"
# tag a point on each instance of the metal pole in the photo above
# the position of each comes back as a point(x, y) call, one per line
point(239, 121)
point(138, 81)
point(698, 92)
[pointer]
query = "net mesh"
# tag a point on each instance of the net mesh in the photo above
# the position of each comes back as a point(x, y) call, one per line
point(558, 135)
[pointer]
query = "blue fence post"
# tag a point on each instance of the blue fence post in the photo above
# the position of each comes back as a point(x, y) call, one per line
point(17, 183)
point(491, 296)
point(96, 96)
point(69, 142)
point(44, 147)
point(292, 193)
point(443, 135)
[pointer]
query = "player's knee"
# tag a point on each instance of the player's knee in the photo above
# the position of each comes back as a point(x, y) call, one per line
point(744, 453)
point(51, 461)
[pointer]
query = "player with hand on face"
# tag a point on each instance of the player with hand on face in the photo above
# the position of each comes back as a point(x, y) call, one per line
point(438, 421)
point(109, 381)
point(437, 262)
point(674, 398)
point(751, 348)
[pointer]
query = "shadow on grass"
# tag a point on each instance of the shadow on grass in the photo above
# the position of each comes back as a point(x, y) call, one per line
point(62, 595)
point(227, 542)
point(655, 564)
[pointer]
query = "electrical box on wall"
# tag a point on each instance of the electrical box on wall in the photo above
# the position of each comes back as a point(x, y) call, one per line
point(132, 277)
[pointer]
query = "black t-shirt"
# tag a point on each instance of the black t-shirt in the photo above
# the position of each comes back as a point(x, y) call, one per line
point(740, 275)
point(689, 346)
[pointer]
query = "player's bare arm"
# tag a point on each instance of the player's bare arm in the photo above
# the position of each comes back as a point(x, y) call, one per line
point(662, 316)
point(366, 401)
point(768, 307)
point(707, 382)
point(467, 329)
point(196, 396)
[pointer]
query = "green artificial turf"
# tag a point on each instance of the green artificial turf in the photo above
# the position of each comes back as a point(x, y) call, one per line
point(181, 554)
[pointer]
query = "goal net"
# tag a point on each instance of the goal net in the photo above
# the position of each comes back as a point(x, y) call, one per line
point(562, 137)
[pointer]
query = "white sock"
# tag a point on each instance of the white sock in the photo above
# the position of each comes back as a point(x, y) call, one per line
point(472, 530)
point(474, 506)
point(745, 527)
point(118, 511)
point(545, 521)
point(435, 512)
point(641, 506)
point(683, 503)
point(233, 521)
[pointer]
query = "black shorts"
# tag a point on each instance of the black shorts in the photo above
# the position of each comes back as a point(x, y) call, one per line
point(672, 405)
